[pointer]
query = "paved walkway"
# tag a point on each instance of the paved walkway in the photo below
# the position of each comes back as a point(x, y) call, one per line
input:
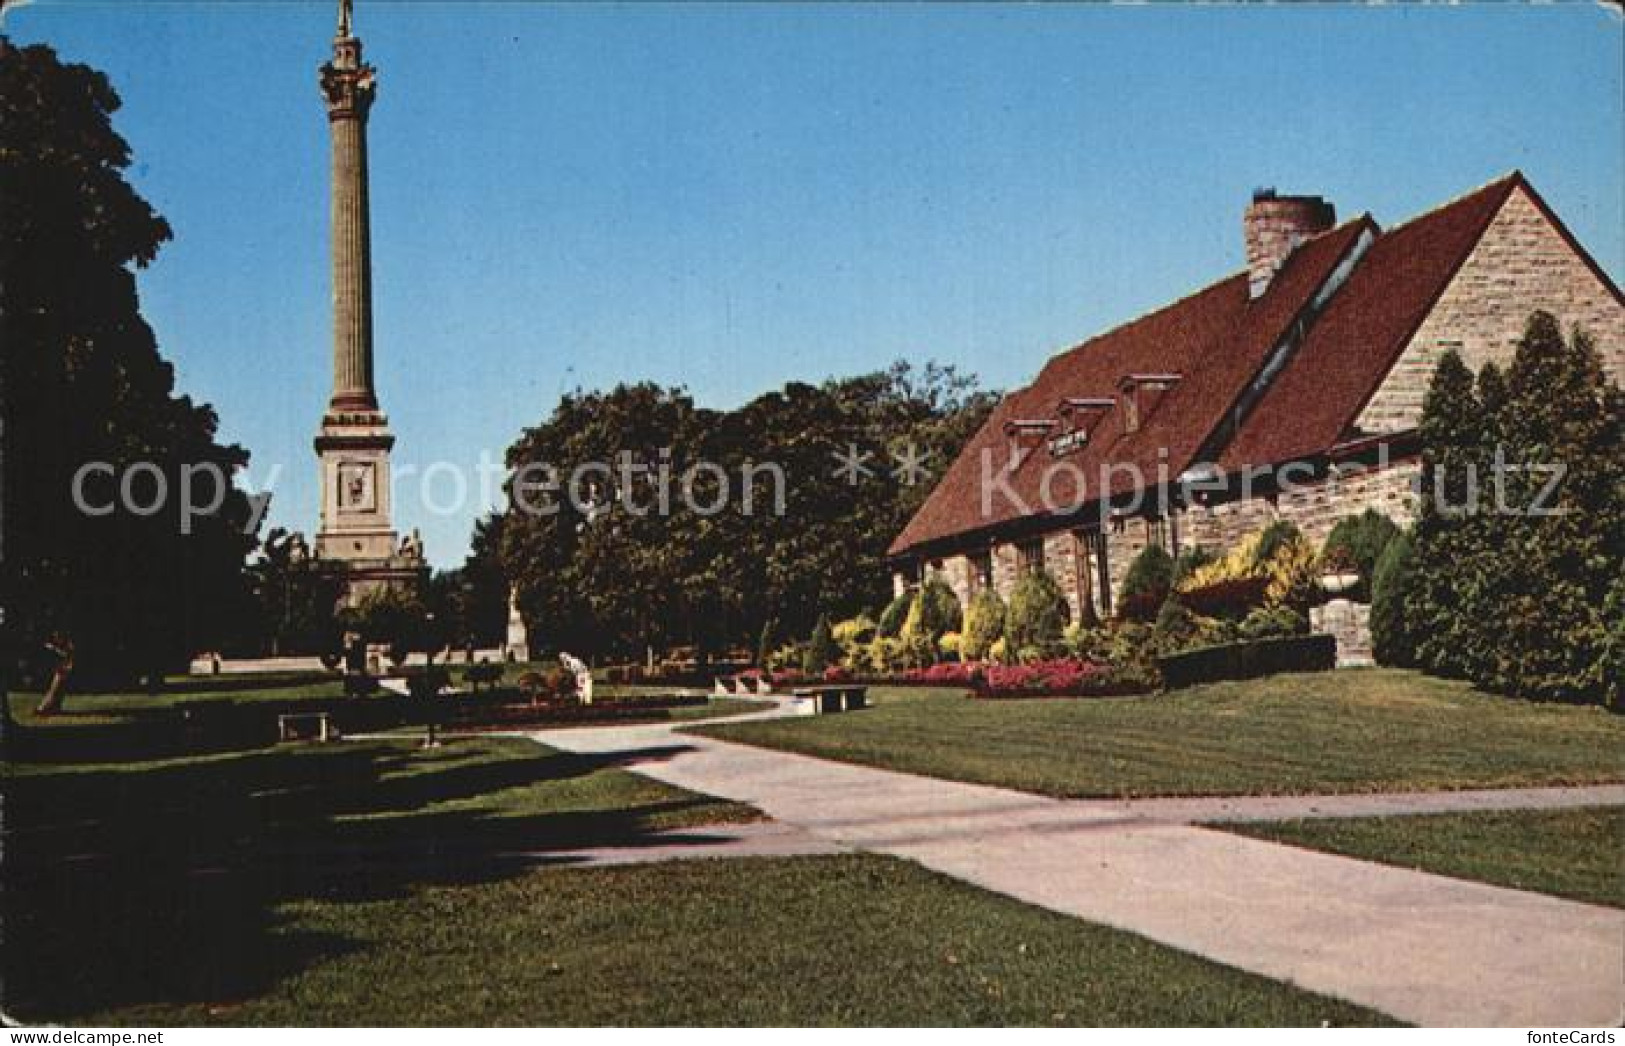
point(1424, 948)
point(758, 839)
point(1292, 807)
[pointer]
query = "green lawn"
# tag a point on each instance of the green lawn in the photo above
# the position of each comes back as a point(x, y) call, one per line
point(1570, 853)
point(801, 941)
point(114, 709)
point(109, 706)
point(378, 883)
point(1350, 731)
point(166, 880)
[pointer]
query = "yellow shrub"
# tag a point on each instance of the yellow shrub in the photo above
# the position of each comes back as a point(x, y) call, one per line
point(1238, 564)
point(1292, 572)
point(854, 631)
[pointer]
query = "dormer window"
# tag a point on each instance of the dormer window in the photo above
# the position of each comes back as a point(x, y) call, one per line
point(1140, 394)
point(1027, 433)
point(1079, 416)
point(1019, 427)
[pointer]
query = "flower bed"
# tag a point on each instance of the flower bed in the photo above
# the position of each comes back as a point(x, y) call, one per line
point(503, 716)
point(948, 673)
point(833, 674)
point(1059, 677)
point(1063, 677)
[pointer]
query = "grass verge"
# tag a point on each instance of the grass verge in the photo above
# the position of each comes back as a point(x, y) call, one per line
point(1351, 731)
point(128, 882)
point(802, 941)
point(1567, 853)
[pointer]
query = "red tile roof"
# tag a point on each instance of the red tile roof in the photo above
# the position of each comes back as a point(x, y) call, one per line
point(1356, 341)
point(1216, 339)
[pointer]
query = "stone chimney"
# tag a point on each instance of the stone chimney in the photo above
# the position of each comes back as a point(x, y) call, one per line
point(1274, 226)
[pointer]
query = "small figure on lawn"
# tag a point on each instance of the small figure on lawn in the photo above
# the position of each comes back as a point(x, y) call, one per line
point(583, 674)
point(60, 648)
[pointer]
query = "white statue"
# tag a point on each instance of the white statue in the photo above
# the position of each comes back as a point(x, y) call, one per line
point(517, 647)
point(583, 673)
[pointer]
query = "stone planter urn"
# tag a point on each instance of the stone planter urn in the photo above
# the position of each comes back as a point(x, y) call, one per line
point(1333, 584)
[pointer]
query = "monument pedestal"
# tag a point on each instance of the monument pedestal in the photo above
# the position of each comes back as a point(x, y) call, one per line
point(353, 451)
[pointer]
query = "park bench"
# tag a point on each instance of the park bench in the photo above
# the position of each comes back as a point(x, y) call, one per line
point(305, 726)
point(829, 699)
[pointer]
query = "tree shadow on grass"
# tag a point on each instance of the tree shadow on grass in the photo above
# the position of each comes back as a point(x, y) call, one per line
point(166, 883)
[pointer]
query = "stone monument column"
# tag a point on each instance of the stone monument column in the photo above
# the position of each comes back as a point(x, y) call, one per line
point(354, 441)
point(349, 85)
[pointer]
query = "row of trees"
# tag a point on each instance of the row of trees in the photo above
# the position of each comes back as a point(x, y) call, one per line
point(614, 581)
point(1514, 577)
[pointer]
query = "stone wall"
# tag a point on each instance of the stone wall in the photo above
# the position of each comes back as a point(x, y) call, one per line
point(960, 575)
point(1125, 540)
point(1005, 569)
point(1061, 560)
point(1521, 264)
point(1314, 508)
point(1350, 624)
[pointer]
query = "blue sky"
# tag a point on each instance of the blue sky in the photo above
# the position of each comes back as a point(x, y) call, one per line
point(730, 197)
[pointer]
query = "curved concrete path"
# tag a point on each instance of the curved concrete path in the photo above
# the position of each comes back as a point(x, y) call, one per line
point(1240, 809)
point(1424, 948)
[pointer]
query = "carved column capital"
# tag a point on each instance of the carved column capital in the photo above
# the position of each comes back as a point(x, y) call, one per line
point(348, 84)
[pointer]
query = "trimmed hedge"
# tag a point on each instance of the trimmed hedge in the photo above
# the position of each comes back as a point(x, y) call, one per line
point(1260, 657)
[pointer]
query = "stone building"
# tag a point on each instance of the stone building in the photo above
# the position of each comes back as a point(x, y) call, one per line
point(1289, 390)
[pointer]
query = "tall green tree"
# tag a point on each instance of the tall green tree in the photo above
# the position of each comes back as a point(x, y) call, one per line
point(296, 599)
point(481, 594)
point(1522, 528)
point(1561, 529)
point(1450, 538)
point(83, 384)
point(1393, 637)
point(596, 558)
